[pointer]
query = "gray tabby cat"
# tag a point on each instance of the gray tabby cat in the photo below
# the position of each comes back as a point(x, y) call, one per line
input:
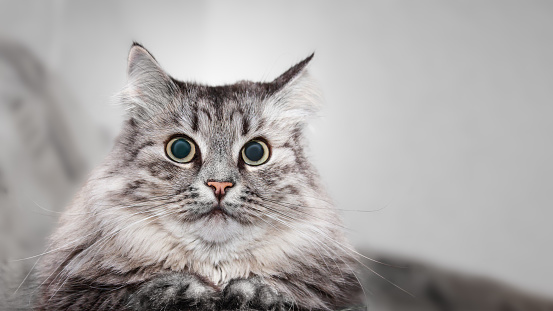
point(207, 202)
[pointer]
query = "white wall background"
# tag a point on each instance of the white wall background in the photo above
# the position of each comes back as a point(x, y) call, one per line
point(441, 112)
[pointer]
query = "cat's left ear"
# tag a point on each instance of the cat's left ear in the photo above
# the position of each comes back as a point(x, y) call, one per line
point(294, 73)
point(295, 95)
point(149, 88)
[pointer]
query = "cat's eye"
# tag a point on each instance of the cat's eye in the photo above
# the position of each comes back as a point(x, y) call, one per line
point(180, 149)
point(255, 152)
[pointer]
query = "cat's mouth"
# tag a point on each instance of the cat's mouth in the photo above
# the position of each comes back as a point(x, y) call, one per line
point(217, 210)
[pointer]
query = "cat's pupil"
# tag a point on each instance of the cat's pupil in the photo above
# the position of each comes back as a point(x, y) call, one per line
point(181, 148)
point(254, 151)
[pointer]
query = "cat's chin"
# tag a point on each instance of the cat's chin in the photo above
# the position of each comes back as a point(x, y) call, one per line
point(217, 227)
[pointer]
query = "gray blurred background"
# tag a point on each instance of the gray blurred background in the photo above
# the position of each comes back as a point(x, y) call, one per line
point(438, 115)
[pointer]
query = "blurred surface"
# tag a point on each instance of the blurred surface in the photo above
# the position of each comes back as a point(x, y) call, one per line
point(410, 286)
point(438, 114)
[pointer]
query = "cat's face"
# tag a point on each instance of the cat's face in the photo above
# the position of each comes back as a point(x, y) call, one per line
point(217, 161)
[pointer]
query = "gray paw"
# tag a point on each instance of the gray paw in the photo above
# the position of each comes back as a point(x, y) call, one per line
point(172, 292)
point(250, 294)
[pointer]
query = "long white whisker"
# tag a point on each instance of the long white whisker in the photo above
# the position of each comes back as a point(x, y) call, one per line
point(148, 200)
point(26, 277)
point(321, 244)
point(334, 208)
point(66, 277)
point(82, 237)
point(359, 254)
point(341, 247)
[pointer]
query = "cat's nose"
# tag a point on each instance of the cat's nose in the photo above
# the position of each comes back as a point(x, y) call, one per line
point(219, 188)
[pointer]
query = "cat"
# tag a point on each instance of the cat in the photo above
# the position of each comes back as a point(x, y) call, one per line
point(206, 202)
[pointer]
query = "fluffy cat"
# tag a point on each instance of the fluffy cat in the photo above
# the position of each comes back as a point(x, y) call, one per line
point(206, 202)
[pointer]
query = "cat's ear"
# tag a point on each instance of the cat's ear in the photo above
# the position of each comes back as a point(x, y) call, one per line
point(293, 73)
point(149, 88)
point(295, 95)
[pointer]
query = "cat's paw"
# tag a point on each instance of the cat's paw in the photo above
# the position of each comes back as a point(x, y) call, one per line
point(172, 292)
point(250, 294)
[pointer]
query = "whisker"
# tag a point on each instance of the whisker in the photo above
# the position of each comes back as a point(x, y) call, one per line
point(149, 199)
point(304, 206)
point(66, 276)
point(305, 259)
point(54, 270)
point(26, 277)
point(308, 240)
point(351, 249)
point(303, 212)
point(82, 237)
point(321, 244)
point(331, 205)
point(341, 247)
point(62, 247)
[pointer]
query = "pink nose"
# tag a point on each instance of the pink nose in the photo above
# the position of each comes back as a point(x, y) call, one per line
point(219, 188)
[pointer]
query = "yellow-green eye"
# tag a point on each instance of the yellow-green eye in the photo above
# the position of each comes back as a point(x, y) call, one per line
point(180, 149)
point(255, 152)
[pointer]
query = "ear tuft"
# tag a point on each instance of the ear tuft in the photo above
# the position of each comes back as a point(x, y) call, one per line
point(134, 43)
point(294, 72)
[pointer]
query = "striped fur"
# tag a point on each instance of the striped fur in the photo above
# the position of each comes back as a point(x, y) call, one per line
point(141, 222)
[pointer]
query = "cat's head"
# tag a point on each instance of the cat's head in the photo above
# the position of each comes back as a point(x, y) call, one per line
point(218, 159)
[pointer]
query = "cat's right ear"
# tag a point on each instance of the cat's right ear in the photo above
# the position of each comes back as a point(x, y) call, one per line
point(141, 61)
point(149, 88)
